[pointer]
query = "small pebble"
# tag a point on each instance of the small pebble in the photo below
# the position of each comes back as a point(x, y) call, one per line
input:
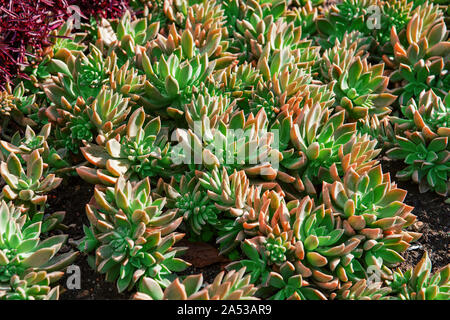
point(417, 226)
point(83, 294)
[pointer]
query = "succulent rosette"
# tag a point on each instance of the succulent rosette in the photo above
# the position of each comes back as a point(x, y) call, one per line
point(239, 82)
point(79, 77)
point(249, 23)
point(312, 139)
point(426, 159)
point(363, 290)
point(233, 285)
point(216, 107)
point(241, 143)
point(429, 115)
point(298, 249)
point(373, 211)
point(234, 197)
point(142, 151)
point(396, 13)
point(22, 147)
point(342, 17)
point(23, 254)
point(361, 89)
point(284, 282)
point(32, 286)
point(132, 235)
point(26, 145)
point(172, 71)
point(193, 204)
point(304, 16)
point(419, 283)
point(129, 32)
point(64, 40)
point(420, 57)
point(380, 130)
point(27, 186)
point(15, 104)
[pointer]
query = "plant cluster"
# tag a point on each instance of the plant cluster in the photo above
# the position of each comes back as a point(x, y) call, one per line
point(256, 125)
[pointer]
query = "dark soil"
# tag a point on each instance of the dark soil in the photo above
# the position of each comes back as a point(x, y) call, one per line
point(433, 220)
point(72, 196)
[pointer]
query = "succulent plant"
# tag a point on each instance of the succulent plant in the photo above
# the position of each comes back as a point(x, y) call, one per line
point(278, 36)
point(83, 111)
point(67, 37)
point(233, 285)
point(342, 17)
point(132, 236)
point(27, 187)
point(239, 82)
point(64, 40)
point(283, 283)
point(34, 209)
point(396, 14)
point(420, 59)
point(427, 160)
point(141, 152)
point(16, 105)
point(380, 130)
point(291, 286)
point(249, 23)
point(75, 127)
point(326, 255)
point(342, 53)
point(107, 113)
point(429, 115)
point(203, 105)
point(269, 218)
point(30, 142)
point(305, 17)
point(131, 32)
point(21, 250)
point(422, 142)
point(167, 11)
point(312, 139)
point(32, 286)
point(193, 204)
point(361, 89)
point(23, 147)
point(419, 283)
point(298, 249)
point(363, 290)
point(80, 77)
point(205, 21)
point(287, 72)
point(239, 144)
point(373, 211)
point(233, 196)
point(171, 76)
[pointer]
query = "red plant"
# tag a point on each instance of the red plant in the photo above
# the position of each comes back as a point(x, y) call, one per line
point(24, 29)
point(101, 8)
point(25, 26)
